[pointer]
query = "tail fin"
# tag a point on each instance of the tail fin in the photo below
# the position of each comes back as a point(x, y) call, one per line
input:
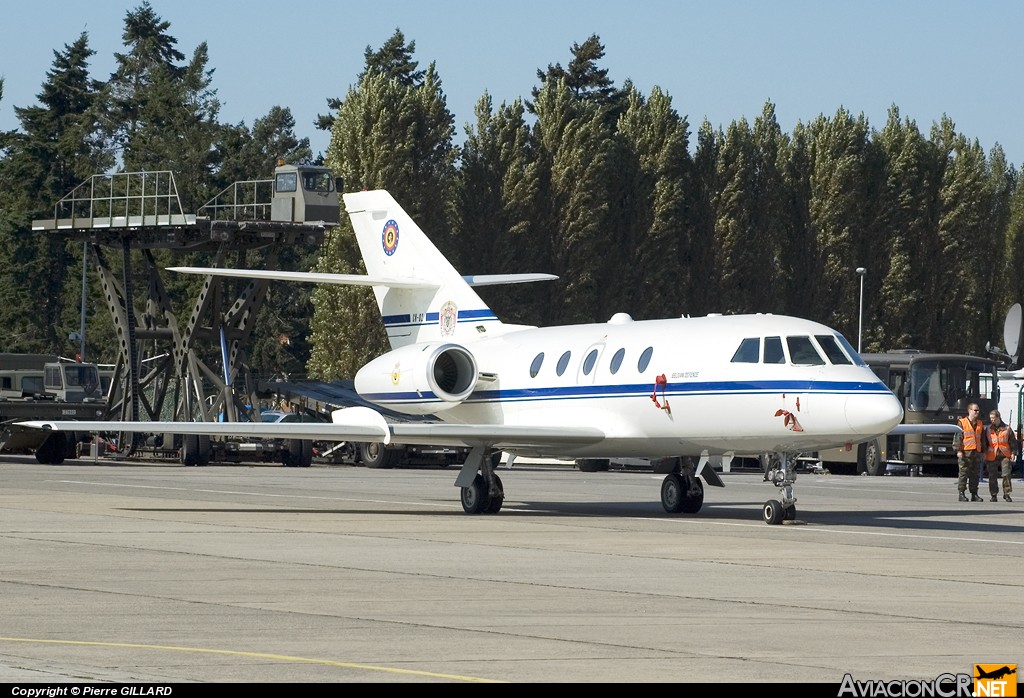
point(443, 306)
point(420, 295)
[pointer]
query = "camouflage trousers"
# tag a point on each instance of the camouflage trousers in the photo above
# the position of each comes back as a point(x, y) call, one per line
point(994, 470)
point(970, 472)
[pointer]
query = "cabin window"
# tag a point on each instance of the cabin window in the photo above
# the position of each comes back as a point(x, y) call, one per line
point(830, 346)
point(32, 384)
point(773, 351)
point(749, 351)
point(535, 366)
point(645, 359)
point(802, 352)
point(286, 181)
point(617, 360)
point(563, 362)
point(588, 363)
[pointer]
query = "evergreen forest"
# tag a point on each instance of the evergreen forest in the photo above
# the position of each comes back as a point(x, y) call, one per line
point(634, 208)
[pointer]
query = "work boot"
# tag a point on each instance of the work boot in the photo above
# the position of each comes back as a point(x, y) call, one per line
point(1007, 497)
point(976, 498)
point(995, 498)
point(963, 497)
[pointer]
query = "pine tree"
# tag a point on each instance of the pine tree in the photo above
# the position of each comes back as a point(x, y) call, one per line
point(654, 193)
point(56, 149)
point(393, 131)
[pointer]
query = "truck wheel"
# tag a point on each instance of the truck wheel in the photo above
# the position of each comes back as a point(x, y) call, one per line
point(869, 459)
point(51, 451)
point(298, 453)
point(374, 454)
point(592, 465)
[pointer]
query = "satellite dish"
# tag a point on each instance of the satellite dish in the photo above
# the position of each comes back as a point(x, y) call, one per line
point(1011, 330)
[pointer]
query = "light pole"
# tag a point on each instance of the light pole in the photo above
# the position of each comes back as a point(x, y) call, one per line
point(861, 271)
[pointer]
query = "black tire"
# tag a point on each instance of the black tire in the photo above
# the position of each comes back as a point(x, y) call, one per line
point(298, 453)
point(474, 498)
point(189, 450)
point(772, 512)
point(693, 499)
point(375, 454)
point(494, 506)
point(592, 465)
point(789, 513)
point(51, 451)
point(203, 456)
point(869, 459)
point(673, 495)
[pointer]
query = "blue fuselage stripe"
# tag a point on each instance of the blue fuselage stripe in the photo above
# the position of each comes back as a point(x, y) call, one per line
point(577, 392)
point(433, 318)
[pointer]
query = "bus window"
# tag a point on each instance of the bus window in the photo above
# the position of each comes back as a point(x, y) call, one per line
point(927, 391)
point(803, 353)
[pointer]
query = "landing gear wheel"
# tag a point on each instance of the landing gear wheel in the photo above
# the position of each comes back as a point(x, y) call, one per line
point(789, 513)
point(772, 512)
point(673, 497)
point(494, 506)
point(693, 499)
point(475, 499)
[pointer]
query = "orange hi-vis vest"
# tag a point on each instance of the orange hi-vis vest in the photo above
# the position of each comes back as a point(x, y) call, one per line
point(999, 442)
point(972, 435)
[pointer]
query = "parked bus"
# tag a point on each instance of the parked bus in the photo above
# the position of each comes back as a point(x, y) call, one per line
point(933, 389)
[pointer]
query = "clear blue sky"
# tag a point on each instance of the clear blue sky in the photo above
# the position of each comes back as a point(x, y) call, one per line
point(719, 61)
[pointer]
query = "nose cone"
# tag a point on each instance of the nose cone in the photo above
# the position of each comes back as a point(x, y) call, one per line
point(873, 414)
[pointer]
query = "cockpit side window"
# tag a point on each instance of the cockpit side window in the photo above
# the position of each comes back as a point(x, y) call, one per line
point(749, 351)
point(773, 351)
point(830, 346)
point(802, 352)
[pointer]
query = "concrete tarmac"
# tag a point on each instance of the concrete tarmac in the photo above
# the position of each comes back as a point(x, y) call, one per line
point(157, 573)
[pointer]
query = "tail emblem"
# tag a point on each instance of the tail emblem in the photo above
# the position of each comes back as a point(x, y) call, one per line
point(389, 238)
point(448, 318)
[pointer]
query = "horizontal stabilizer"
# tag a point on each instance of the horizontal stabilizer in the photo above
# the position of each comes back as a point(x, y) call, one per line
point(500, 279)
point(310, 277)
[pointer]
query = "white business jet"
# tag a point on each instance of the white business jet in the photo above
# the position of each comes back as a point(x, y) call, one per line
point(694, 389)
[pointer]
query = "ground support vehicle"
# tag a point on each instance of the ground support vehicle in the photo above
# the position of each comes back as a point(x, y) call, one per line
point(933, 389)
point(42, 387)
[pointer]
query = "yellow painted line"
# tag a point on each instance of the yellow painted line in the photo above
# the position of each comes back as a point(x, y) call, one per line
point(257, 655)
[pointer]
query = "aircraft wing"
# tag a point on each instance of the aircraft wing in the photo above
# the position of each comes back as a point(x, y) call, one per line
point(355, 424)
point(309, 277)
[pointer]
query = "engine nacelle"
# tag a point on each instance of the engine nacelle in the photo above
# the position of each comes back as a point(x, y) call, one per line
point(419, 378)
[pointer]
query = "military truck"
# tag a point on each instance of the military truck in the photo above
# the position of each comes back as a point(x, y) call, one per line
point(43, 386)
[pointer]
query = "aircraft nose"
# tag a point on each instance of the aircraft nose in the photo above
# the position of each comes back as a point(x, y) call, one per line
point(873, 414)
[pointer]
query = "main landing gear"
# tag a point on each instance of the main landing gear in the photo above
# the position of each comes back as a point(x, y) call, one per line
point(682, 490)
point(482, 491)
point(780, 472)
